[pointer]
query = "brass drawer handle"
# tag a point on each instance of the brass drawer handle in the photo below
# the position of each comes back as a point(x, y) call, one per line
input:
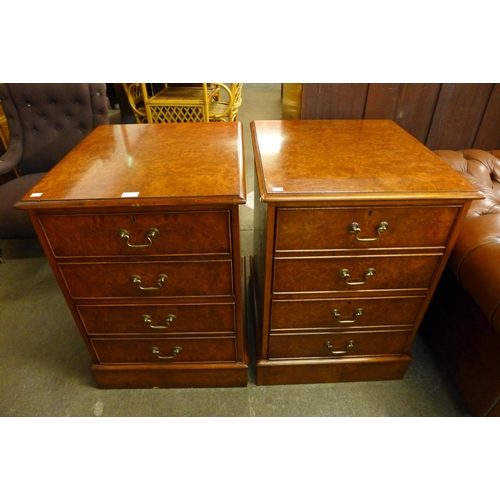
point(354, 228)
point(176, 350)
point(162, 278)
point(169, 319)
point(152, 233)
point(359, 312)
point(344, 273)
point(348, 345)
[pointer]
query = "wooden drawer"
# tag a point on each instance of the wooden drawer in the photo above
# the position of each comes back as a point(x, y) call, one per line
point(177, 233)
point(362, 312)
point(328, 228)
point(170, 319)
point(341, 274)
point(123, 351)
point(157, 279)
point(334, 345)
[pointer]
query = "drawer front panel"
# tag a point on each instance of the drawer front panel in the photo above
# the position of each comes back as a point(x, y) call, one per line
point(341, 274)
point(177, 233)
point(159, 320)
point(120, 351)
point(157, 279)
point(344, 313)
point(335, 345)
point(329, 228)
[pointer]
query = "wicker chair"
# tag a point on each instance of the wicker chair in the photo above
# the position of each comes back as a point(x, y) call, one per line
point(136, 101)
point(202, 103)
point(226, 110)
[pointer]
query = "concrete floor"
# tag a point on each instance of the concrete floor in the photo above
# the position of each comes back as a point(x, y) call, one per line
point(44, 366)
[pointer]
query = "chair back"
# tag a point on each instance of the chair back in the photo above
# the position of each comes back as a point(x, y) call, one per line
point(46, 121)
point(227, 106)
point(236, 90)
point(136, 101)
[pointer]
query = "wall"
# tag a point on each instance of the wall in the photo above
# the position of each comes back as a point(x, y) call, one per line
point(440, 115)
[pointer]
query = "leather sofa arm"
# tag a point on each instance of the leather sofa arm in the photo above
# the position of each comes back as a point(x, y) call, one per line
point(482, 170)
point(477, 249)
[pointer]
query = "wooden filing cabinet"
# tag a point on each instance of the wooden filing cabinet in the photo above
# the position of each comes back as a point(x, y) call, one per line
point(140, 225)
point(354, 223)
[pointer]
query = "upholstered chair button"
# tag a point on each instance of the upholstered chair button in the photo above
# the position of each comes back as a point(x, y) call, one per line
point(28, 104)
point(98, 94)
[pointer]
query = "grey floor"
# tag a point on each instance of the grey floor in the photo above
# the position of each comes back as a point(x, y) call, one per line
point(44, 366)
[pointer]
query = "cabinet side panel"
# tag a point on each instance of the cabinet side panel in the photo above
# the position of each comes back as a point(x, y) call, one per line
point(258, 270)
point(242, 354)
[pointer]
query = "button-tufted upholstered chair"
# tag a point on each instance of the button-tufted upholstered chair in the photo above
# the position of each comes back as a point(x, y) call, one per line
point(46, 121)
point(463, 319)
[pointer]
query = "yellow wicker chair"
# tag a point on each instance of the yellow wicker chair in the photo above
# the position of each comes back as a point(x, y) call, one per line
point(185, 104)
point(136, 101)
point(226, 110)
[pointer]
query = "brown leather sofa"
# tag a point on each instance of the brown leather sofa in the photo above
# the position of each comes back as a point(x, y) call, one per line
point(463, 319)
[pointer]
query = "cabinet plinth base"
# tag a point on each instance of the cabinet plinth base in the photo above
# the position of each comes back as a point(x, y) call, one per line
point(149, 377)
point(329, 371)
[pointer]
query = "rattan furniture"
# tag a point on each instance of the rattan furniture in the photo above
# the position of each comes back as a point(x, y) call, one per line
point(134, 96)
point(179, 104)
point(227, 106)
point(206, 102)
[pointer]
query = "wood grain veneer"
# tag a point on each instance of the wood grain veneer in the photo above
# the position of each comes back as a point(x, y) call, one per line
point(175, 278)
point(315, 179)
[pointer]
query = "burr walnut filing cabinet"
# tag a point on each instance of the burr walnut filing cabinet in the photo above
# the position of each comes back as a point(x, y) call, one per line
point(354, 223)
point(140, 224)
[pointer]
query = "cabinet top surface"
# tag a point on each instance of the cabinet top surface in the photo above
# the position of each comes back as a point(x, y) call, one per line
point(148, 164)
point(349, 159)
